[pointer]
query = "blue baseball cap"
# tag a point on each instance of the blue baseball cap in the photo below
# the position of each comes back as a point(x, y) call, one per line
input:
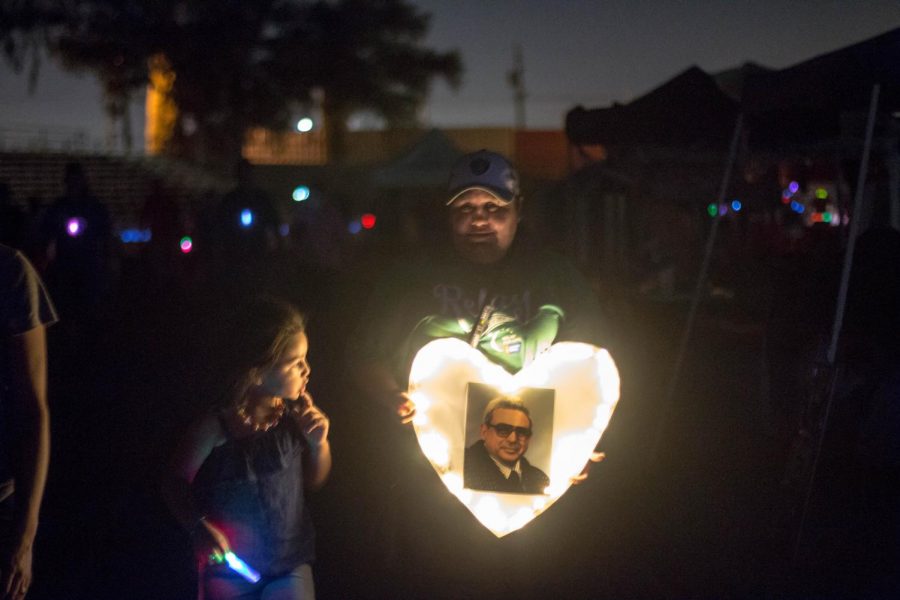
point(486, 171)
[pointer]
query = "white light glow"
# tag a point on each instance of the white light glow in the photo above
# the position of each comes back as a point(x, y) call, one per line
point(585, 382)
point(436, 449)
point(488, 510)
point(454, 483)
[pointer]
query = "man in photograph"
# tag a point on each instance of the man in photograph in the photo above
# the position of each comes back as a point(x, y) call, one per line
point(496, 462)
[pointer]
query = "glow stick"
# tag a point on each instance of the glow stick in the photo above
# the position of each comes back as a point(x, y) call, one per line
point(241, 568)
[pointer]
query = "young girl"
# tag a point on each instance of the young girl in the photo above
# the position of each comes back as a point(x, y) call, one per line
point(236, 481)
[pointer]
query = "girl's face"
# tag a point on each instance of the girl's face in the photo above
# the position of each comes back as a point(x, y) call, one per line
point(288, 377)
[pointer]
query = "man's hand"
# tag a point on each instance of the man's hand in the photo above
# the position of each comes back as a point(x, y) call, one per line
point(595, 458)
point(15, 573)
point(406, 408)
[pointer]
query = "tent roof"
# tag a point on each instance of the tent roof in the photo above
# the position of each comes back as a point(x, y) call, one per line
point(800, 104)
point(804, 103)
point(425, 164)
point(838, 80)
point(689, 109)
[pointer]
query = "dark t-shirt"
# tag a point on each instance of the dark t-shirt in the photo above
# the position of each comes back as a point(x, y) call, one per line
point(538, 297)
point(252, 488)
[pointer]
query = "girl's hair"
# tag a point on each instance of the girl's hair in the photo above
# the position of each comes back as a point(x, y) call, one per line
point(256, 336)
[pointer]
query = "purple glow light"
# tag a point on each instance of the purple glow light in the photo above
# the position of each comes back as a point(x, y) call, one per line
point(75, 226)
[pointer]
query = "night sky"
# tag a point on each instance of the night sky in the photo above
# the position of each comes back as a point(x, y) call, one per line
point(575, 52)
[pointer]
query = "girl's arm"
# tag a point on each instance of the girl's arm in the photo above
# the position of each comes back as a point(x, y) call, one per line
point(314, 425)
point(317, 465)
point(31, 451)
point(194, 448)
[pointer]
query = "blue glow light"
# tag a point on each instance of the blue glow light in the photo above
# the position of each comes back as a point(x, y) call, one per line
point(354, 227)
point(241, 568)
point(301, 193)
point(794, 187)
point(131, 236)
point(284, 230)
point(736, 205)
point(797, 207)
point(246, 217)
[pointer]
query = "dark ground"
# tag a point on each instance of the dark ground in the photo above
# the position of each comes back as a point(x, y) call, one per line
point(707, 518)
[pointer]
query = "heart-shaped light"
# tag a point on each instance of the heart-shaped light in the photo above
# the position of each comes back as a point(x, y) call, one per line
point(585, 384)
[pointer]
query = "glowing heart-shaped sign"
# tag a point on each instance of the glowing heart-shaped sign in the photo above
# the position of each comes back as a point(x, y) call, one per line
point(574, 385)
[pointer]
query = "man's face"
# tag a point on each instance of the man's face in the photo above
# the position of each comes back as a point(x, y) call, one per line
point(483, 226)
point(510, 448)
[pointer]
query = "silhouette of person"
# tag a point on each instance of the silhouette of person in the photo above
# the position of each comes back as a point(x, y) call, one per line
point(76, 241)
point(25, 311)
point(246, 219)
point(12, 219)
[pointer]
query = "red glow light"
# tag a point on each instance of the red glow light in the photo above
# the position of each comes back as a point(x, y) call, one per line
point(367, 221)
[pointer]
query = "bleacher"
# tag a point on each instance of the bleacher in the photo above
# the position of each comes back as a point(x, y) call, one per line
point(120, 182)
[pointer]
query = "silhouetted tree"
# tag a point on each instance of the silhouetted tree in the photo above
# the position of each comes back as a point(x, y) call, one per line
point(368, 56)
point(238, 63)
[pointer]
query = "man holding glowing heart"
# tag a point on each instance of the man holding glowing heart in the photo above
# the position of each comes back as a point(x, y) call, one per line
point(530, 296)
point(511, 299)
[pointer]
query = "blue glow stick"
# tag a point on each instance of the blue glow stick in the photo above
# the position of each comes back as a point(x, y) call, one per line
point(241, 568)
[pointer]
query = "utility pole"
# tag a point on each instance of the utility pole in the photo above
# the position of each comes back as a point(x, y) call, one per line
point(516, 80)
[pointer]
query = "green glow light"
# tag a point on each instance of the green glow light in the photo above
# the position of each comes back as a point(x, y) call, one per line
point(826, 217)
point(821, 193)
point(712, 209)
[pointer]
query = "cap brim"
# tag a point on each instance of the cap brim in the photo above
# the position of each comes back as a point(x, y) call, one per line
point(503, 196)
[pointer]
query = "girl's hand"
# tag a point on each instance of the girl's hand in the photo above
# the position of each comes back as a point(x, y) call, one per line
point(313, 422)
point(209, 542)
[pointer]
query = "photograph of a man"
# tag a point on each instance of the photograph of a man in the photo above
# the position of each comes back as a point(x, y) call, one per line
point(496, 462)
